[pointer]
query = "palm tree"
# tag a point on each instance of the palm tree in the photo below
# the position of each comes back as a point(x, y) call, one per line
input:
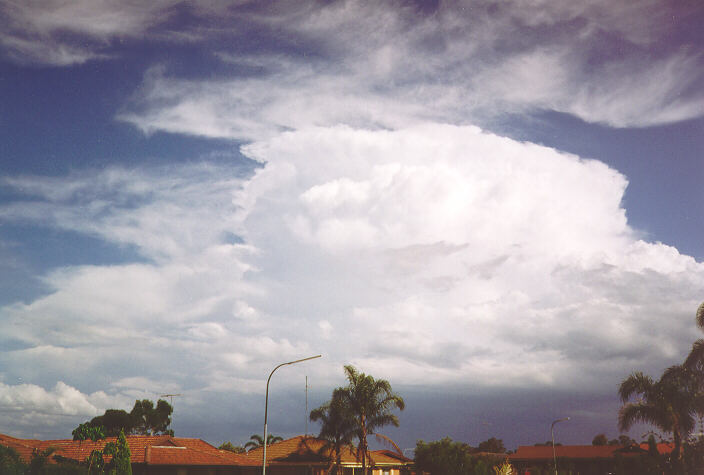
point(256, 441)
point(695, 362)
point(370, 402)
point(669, 403)
point(700, 316)
point(337, 426)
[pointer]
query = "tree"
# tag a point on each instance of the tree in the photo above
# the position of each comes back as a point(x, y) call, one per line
point(39, 460)
point(256, 441)
point(230, 447)
point(444, 457)
point(338, 425)
point(695, 364)
point(144, 419)
point(114, 421)
point(370, 401)
point(492, 445)
point(150, 420)
point(600, 439)
point(86, 431)
point(121, 455)
point(10, 462)
point(669, 403)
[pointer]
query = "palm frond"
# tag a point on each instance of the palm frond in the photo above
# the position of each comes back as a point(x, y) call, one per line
point(695, 358)
point(636, 383)
point(700, 316)
point(382, 439)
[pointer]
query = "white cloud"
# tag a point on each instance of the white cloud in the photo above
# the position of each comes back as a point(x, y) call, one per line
point(62, 33)
point(62, 399)
point(391, 67)
point(431, 255)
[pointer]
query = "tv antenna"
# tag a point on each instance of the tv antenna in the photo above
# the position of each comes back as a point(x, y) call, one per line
point(171, 402)
point(306, 405)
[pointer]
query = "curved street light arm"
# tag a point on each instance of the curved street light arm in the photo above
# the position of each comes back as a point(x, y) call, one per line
point(552, 435)
point(266, 402)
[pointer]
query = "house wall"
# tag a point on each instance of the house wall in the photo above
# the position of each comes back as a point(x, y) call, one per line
point(180, 470)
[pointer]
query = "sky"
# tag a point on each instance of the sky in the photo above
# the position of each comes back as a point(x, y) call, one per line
point(496, 206)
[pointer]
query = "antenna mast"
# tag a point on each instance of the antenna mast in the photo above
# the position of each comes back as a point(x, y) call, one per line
point(171, 401)
point(306, 406)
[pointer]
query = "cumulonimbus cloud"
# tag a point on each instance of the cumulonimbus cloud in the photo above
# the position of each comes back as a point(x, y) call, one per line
point(433, 253)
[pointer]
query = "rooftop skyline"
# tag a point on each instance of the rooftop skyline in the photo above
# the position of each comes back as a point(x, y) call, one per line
point(495, 206)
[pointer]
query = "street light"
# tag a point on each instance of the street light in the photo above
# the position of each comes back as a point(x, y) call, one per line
point(266, 403)
point(552, 434)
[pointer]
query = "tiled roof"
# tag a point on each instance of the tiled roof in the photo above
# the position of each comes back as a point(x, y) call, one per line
point(542, 452)
point(23, 447)
point(311, 450)
point(150, 450)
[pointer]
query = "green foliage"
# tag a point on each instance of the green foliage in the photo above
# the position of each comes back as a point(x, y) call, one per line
point(492, 445)
point(453, 458)
point(444, 456)
point(121, 455)
point(10, 462)
point(669, 403)
point(150, 420)
point(338, 425)
point(144, 419)
point(256, 441)
point(86, 431)
point(114, 421)
point(229, 446)
point(370, 402)
point(600, 439)
point(39, 460)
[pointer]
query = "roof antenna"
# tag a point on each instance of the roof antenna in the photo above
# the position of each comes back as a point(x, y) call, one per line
point(171, 401)
point(306, 405)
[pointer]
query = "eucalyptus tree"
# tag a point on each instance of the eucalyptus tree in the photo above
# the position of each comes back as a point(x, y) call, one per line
point(370, 402)
point(337, 426)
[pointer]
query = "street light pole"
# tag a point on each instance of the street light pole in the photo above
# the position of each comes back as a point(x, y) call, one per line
point(266, 403)
point(552, 434)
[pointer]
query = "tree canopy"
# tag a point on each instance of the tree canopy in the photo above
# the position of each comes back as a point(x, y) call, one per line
point(256, 441)
point(144, 419)
point(338, 426)
point(230, 447)
point(370, 402)
point(492, 445)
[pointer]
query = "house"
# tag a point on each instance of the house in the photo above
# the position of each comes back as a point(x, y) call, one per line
point(304, 455)
point(581, 459)
point(151, 455)
point(167, 455)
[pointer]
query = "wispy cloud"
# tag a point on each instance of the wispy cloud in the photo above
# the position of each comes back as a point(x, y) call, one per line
point(377, 66)
point(63, 33)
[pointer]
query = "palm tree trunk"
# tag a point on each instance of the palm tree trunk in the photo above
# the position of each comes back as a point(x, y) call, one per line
point(677, 438)
point(363, 443)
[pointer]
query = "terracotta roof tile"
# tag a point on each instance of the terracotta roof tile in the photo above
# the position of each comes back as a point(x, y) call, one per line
point(582, 451)
point(150, 450)
point(308, 449)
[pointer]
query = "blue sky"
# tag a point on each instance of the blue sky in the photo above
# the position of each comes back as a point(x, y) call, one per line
point(497, 207)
